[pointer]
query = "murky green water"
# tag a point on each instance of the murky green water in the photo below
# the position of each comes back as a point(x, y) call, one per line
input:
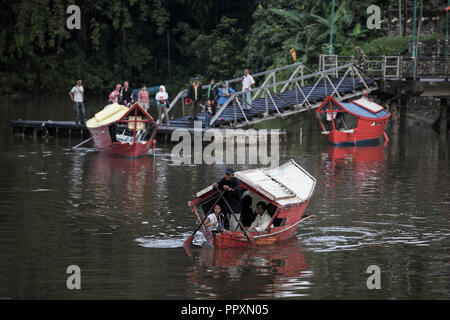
point(123, 222)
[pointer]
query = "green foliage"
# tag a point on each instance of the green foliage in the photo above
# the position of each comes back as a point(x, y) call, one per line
point(127, 39)
point(219, 52)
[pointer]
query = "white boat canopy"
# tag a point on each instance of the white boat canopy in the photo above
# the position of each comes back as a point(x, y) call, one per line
point(288, 184)
point(111, 114)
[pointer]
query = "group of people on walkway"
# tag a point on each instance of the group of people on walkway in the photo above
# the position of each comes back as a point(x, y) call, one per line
point(123, 94)
point(235, 210)
point(216, 97)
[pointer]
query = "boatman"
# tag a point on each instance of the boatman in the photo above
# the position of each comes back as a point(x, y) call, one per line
point(230, 186)
point(77, 97)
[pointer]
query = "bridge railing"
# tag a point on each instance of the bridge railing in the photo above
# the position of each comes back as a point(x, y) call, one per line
point(304, 97)
point(177, 105)
point(399, 67)
point(435, 47)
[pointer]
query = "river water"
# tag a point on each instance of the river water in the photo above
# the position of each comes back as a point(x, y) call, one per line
point(123, 222)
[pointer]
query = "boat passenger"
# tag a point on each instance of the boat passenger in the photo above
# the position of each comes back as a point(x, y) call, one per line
point(247, 215)
point(262, 219)
point(231, 188)
point(225, 93)
point(114, 95)
point(271, 209)
point(143, 97)
point(161, 103)
point(215, 219)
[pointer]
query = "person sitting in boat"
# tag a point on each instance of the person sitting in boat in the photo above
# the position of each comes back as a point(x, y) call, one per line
point(262, 219)
point(114, 95)
point(247, 215)
point(215, 219)
point(271, 209)
point(230, 186)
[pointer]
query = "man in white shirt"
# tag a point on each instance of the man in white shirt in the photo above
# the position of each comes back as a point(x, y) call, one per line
point(77, 97)
point(262, 219)
point(247, 84)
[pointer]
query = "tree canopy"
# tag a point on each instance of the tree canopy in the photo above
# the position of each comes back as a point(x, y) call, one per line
point(128, 39)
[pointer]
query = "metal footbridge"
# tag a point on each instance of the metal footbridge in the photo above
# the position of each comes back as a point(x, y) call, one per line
point(274, 98)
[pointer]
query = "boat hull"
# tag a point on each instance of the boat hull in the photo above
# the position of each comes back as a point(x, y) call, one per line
point(128, 150)
point(237, 239)
point(367, 133)
point(103, 142)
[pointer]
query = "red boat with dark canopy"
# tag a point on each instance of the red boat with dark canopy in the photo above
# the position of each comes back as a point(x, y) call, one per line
point(288, 187)
point(360, 122)
point(128, 132)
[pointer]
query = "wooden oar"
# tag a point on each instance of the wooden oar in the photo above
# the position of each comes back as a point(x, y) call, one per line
point(87, 140)
point(189, 239)
point(250, 239)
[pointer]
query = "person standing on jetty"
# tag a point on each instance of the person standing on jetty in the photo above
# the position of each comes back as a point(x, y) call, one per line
point(143, 98)
point(195, 94)
point(126, 95)
point(77, 97)
point(161, 103)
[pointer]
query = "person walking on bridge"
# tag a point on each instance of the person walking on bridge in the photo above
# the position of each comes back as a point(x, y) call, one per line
point(77, 97)
point(361, 57)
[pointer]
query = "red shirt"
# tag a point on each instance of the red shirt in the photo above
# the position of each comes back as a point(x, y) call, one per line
point(143, 96)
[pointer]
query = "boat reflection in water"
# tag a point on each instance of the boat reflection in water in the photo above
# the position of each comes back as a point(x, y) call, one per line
point(119, 185)
point(361, 167)
point(356, 154)
point(278, 270)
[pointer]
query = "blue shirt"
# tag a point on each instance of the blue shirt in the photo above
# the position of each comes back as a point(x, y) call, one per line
point(224, 99)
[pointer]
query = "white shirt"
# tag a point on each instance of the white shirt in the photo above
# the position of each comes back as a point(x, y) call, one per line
point(247, 82)
point(161, 96)
point(212, 220)
point(262, 221)
point(77, 93)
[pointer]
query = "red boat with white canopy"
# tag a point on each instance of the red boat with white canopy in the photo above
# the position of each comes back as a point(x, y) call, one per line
point(288, 187)
point(123, 131)
point(359, 122)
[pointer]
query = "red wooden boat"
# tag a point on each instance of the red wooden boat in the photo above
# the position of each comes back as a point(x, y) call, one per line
point(360, 122)
point(288, 187)
point(128, 132)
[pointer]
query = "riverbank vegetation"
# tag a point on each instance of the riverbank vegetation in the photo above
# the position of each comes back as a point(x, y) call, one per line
point(133, 39)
